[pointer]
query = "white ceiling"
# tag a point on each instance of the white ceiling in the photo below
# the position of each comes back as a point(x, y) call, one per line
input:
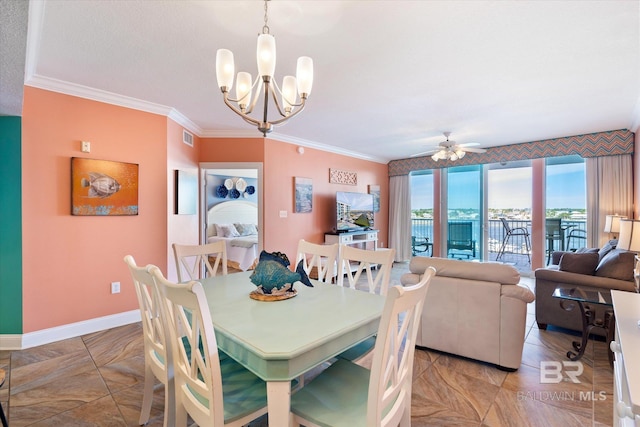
point(390, 76)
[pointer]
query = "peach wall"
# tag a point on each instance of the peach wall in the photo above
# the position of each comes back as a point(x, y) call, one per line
point(183, 229)
point(70, 261)
point(282, 164)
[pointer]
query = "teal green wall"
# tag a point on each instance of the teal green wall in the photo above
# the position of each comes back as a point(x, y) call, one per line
point(10, 225)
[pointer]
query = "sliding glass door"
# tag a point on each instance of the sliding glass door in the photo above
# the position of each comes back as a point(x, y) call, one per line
point(465, 215)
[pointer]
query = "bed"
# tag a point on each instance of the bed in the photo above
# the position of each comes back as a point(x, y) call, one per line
point(236, 223)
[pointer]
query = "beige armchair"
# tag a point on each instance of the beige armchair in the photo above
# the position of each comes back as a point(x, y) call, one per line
point(475, 310)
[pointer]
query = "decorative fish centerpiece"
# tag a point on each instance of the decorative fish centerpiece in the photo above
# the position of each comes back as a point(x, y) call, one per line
point(273, 276)
point(100, 185)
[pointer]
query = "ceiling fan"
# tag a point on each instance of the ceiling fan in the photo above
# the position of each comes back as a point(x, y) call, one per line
point(450, 150)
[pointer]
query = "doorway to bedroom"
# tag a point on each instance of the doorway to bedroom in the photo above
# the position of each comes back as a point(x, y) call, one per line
point(231, 210)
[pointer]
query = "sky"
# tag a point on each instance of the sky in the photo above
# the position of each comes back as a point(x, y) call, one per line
point(508, 188)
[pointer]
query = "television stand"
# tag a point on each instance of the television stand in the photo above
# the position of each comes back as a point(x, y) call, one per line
point(361, 238)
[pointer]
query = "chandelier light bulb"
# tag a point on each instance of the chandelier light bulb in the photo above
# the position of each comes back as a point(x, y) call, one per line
point(243, 89)
point(266, 55)
point(224, 68)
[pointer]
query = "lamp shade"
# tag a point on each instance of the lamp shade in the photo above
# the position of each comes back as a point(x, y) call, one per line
point(224, 68)
point(629, 235)
point(612, 223)
point(266, 55)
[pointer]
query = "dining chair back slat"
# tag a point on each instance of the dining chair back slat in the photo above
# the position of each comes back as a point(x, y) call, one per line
point(322, 258)
point(347, 394)
point(211, 388)
point(353, 262)
point(195, 260)
point(157, 354)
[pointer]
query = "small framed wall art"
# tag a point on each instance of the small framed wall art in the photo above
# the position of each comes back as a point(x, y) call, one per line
point(103, 187)
point(337, 176)
point(186, 185)
point(303, 188)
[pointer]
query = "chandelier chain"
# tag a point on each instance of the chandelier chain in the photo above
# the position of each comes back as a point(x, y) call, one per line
point(265, 27)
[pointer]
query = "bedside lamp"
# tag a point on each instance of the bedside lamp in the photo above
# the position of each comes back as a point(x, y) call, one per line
point(612, 224)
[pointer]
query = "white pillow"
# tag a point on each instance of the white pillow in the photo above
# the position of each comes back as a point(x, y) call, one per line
point(246, 229)
point(227, 230)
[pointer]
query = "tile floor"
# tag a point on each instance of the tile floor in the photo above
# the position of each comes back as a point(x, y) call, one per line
point(97, 379)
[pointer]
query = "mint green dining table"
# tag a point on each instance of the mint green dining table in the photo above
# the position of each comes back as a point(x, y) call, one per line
point(280, 340)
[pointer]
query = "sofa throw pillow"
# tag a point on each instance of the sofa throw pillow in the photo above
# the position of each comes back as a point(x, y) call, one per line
point(580, 263)
point(606, 248)
point(617, 264)
point(227, 230)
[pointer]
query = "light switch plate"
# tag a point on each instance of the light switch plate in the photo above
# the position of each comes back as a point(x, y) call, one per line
point(86, 147)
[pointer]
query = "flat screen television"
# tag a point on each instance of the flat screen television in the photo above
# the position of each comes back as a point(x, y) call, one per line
point(354, 211)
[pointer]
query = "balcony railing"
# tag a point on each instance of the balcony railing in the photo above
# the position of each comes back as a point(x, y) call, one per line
point(423, 227)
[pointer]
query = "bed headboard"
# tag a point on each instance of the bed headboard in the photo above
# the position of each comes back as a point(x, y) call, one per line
point(235, 211)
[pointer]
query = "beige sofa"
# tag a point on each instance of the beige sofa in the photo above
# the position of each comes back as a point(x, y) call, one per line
point(475, 310)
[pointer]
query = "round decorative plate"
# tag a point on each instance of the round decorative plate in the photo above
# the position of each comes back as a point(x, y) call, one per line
point(251, 189)
point(259, 296)
point(228, 183)
point(221, 191)
point(234, 194)
point(241, 184)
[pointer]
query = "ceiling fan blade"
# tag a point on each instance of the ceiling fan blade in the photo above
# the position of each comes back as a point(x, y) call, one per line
point(473, 150)
point(425, 153)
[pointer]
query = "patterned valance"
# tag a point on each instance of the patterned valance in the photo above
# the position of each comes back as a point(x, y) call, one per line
point(611, 143)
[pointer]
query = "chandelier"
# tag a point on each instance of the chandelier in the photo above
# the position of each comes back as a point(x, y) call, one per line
point(448, 153)
point(265, 84)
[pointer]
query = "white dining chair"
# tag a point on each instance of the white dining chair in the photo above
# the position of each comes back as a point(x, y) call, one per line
point(157, 355)
point(347, 394)
point(214, 391)
point(195, 259)
point(320, 257)
point(353, 262)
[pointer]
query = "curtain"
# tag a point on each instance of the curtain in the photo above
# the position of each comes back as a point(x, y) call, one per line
point(400, 217)
point(609, 191)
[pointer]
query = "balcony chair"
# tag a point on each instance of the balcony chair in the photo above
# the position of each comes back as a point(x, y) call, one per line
point(576, 239)
point(420, 245)
point(514, 232)
point(196, 259)
point(212, 389)
point(318, 261)
point(354, 262)
point(555, 233)
point(157, 356)
point(461, 238)
point(347, 394)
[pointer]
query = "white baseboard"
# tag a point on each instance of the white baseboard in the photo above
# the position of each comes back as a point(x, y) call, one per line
point(72, 330)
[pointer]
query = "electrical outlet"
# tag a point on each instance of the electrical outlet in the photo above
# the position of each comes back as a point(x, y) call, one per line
point(115, 287)
point(283, 214)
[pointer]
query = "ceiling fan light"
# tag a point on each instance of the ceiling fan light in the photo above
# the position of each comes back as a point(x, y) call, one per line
point(224, 68)
point(460, 153)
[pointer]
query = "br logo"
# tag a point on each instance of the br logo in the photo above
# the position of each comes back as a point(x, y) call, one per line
point(553, 372)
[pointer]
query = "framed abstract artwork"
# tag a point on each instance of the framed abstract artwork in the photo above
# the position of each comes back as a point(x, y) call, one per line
point(303, 194)
point(103, 187)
